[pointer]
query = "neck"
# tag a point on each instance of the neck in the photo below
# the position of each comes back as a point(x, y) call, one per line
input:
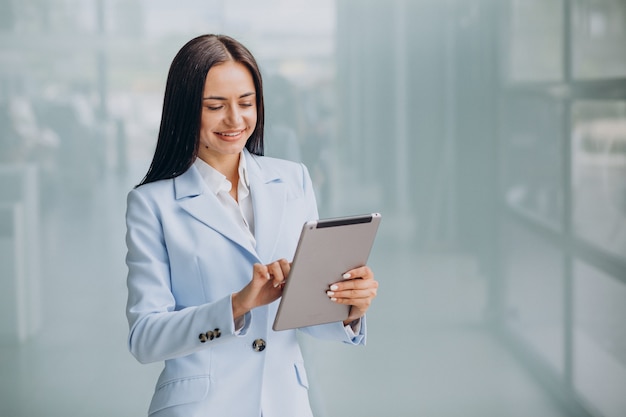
point(227, 165)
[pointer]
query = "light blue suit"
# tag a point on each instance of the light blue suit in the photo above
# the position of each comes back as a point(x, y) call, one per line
point(185, 259)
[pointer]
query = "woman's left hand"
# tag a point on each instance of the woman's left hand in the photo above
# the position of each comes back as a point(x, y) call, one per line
point(358, 289)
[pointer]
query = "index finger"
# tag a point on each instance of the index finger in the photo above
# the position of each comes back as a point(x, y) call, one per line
point(279, 270)
point(285, 265)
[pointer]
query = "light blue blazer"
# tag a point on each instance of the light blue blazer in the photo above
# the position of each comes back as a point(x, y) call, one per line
point(185, 258)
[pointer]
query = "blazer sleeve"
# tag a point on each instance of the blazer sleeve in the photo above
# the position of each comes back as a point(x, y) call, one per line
point(338, 332)
point(156, 330)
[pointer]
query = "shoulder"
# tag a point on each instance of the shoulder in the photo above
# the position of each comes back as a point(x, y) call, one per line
point(188, 184)
point(278, 169)
point(153, 188)
point(151, 195)
point(278, 164)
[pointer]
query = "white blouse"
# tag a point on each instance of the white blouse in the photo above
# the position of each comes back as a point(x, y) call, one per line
point(242, 213)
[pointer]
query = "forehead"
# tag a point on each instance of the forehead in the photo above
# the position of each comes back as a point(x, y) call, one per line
point(229, 78)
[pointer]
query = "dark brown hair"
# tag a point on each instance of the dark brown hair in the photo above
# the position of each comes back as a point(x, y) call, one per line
point(177, 144)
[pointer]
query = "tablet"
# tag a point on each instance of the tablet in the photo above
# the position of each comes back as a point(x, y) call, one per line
point(326, 250)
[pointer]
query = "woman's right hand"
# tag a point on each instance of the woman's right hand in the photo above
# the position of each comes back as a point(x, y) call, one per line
point(266, 286)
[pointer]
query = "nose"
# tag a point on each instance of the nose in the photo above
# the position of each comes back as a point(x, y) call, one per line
point(233, 116)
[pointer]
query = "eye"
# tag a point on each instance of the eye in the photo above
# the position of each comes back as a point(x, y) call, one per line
point(214, 107)
point(246, 104)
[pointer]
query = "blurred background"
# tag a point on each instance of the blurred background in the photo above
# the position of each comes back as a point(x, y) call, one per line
point(491, 135)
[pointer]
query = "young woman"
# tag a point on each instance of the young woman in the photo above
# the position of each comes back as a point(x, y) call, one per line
point(209, 232)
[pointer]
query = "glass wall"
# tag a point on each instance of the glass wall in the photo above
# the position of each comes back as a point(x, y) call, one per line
point(598, 172)
point(563, 122)
point(598, 34)
point(599, 360)
point(534, 294)
point(532, 159)
point(534, 40)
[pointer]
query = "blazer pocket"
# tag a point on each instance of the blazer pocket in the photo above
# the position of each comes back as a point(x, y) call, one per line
point(179, 391)
point(301, 374)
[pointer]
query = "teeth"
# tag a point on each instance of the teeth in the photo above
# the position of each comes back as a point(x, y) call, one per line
point(230, 134)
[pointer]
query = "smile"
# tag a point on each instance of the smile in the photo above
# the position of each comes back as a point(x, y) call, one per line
point(230, 134)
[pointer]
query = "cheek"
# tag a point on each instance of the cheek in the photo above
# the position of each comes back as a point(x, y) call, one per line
point(207, 122)
point(251, 117)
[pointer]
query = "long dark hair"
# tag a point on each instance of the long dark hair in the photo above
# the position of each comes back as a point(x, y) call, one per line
point(177, 145)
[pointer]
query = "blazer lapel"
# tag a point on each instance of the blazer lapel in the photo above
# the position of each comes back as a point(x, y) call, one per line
point(269, 198)
point(195, 198)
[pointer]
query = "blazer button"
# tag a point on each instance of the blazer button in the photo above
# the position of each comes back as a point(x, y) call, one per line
point(217, 333)
point(258, 345)
point(202, 337)
point(210, 335)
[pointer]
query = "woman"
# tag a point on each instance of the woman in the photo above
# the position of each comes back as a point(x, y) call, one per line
point(209, 232)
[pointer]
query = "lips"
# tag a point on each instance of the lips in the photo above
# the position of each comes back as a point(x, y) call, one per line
point(231, 134)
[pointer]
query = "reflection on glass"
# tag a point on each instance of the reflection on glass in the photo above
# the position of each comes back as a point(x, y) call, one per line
point(534, 293)
point(535, 40)
point(599, 365)
point(599, 36)
point(599, 173)
point(532, 158)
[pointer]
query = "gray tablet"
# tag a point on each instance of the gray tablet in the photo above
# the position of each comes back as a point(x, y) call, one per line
point(326, 250)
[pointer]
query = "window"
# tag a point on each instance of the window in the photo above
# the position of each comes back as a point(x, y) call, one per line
point(563, 192)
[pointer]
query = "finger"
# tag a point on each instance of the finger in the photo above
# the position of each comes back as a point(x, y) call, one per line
point(363, 272)
point(260, 273)
point(285, 266)
point(361, 304)
point(350, 301)
point(352, 295)
point(353, 284)
point(276, 273)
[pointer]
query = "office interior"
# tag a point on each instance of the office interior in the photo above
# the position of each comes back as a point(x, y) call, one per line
point(490, 134)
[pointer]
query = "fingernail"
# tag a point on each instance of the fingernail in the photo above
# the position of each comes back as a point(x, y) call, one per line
point(268, 275)
point(276, 285)
point(334, 287)
point(333, 299)
point(347, 276)
point(329, 293)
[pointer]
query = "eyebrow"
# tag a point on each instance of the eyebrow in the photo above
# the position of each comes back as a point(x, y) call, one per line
point(224, 98)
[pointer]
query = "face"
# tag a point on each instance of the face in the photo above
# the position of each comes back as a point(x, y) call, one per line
point(229, 113)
